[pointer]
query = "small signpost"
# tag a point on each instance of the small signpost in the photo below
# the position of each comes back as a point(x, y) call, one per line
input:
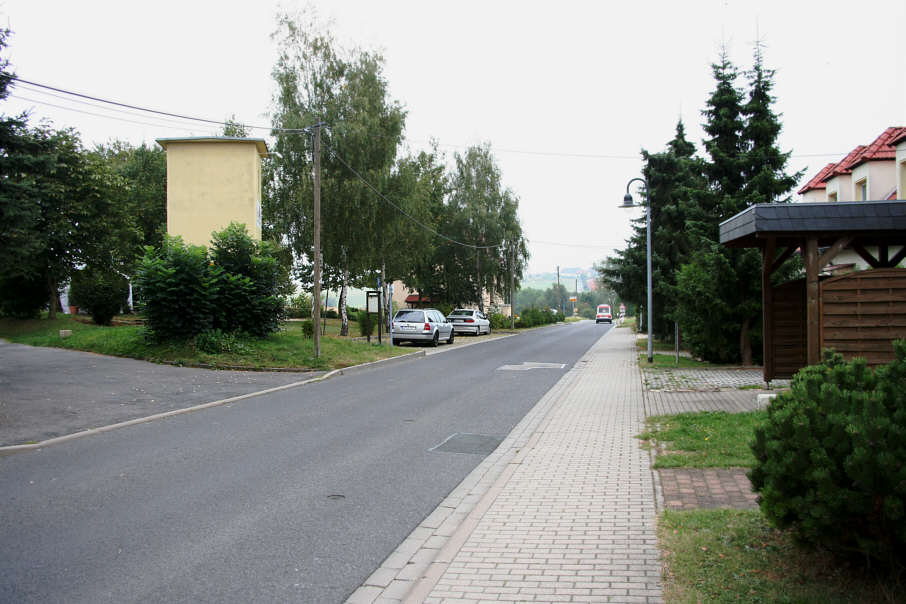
point(373, 307)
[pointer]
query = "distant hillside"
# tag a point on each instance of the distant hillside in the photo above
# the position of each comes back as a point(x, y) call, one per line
point(568, 278)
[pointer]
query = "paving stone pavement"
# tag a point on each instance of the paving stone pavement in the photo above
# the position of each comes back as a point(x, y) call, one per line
point(706, 379)
point(570, 518)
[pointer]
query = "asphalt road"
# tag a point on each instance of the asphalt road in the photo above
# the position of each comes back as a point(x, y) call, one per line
point(294, 496)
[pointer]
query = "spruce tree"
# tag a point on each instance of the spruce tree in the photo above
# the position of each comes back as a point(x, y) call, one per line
point(719, 291)
point(674, 176)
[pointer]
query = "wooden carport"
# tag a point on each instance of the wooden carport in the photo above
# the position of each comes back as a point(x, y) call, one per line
point(858, 314)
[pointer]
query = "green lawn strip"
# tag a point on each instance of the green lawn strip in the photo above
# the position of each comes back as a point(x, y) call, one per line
point(668, 361)
point(735, 556)
point(286, 348)
point(668, 347)
point(709, 439)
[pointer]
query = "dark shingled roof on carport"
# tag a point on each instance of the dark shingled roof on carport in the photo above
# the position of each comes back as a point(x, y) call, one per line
point(787, 221)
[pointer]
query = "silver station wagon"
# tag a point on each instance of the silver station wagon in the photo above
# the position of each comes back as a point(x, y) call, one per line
point(425, 325)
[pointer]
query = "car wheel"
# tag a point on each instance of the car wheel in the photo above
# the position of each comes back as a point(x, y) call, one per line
point(450, 339)
point(489, 330)
point(436, 339)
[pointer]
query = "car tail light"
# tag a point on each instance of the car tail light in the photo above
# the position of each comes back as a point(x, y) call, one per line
point(470, 320)
point(427, 327)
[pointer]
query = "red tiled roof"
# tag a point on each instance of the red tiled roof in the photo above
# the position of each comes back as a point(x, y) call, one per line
point(899, 138)
point(415, 298)
point(844, 166)
point(817, 181)
point(881, 148)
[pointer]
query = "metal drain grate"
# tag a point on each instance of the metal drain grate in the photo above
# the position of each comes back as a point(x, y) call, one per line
point(473, 444)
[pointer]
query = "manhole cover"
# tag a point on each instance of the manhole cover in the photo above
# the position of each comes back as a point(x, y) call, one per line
point(474, 444)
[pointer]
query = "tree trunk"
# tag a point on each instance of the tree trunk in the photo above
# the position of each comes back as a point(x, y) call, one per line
point(52, 302)
point(388, 303)
point(745, 342)
point(344, 325)
point(478, 278)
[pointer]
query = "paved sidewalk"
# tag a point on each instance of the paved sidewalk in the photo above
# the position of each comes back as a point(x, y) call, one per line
point(692, 489)
point(563, 511)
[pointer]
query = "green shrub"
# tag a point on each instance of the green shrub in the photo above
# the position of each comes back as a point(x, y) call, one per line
point(175, 281)
point(215, 341)
point(102, 293)
point(308, 329)
point(299, 307)
point(186, 291)
point(366, 324)
point(831, 459)
point(330, 314)
point(247, 283)
point(22, 297)
point(499, 321)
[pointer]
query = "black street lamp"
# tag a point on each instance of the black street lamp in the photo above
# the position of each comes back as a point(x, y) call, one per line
point(629, 203)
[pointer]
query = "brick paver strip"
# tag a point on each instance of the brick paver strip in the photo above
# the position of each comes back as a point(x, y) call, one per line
point(572, 518)
point(690, 488)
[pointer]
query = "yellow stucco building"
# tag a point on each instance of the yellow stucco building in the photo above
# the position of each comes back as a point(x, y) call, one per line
point(211, 182)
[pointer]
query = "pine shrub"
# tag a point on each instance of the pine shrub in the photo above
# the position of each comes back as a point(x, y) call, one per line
point(831, 459)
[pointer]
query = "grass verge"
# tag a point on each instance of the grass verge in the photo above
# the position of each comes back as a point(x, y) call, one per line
point(736, 556)
point(709, 439)
point(286, 348)
point(668, 361)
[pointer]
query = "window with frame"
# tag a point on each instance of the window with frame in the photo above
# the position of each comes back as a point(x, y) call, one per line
point(862, 190)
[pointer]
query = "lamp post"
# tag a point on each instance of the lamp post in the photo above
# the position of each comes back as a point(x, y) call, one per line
point(628, 203)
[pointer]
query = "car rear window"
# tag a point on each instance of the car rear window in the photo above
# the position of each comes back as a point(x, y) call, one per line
point(461, 313)
point(410, 316)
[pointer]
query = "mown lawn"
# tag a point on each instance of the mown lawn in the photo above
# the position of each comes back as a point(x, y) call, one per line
point(710, 439)
point(736, 555)
point(286, 348)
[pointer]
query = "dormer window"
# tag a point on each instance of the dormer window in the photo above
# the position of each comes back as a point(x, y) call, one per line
point(862, 190)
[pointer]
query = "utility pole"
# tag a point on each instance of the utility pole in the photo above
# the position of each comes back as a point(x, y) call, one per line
point(316, 294)
point(559, 297)
point(512, 289)
point(576, 303)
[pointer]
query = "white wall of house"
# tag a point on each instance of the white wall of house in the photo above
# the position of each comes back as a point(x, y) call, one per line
point(839, 188)
point(814, 196)
point(901, 170)
point(879, 178)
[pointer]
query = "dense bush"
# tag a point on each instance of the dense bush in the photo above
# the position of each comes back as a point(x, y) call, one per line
point(330, 314)
point(186, 290)
point(215, 341)
point(308, 329)
point(299, 307)
point(831, 459)
point(533, 317)
point(101, 293)
point(21, 297)
point(366, 323)
point(499, 321)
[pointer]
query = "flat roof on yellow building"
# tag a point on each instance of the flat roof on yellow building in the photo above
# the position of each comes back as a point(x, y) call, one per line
point(259, 142)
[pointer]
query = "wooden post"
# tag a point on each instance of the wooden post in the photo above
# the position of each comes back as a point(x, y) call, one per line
point(767, 310)
point(813, 319)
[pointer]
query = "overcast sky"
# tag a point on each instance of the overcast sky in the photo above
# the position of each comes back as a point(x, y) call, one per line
point(566, 93)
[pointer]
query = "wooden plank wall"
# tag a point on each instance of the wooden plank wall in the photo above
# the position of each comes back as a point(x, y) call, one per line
point(862, 313)
point(788, 326)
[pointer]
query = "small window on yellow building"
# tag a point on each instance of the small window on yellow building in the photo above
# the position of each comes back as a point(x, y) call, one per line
point(832, 196)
